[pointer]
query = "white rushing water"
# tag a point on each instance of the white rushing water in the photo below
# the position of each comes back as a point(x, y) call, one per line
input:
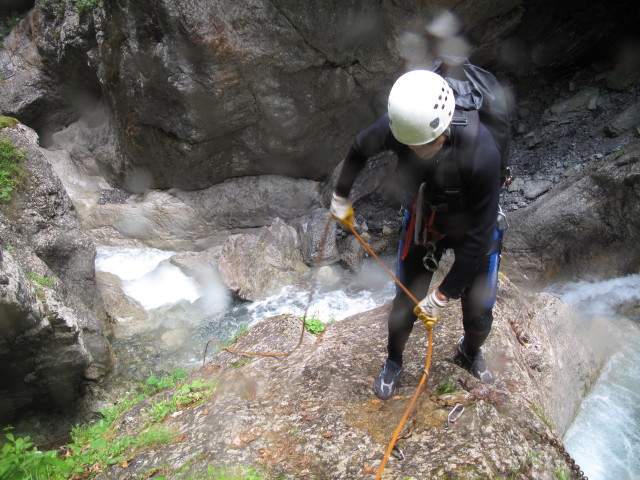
point(145, 279)
point(176, 331)
point(604, 438)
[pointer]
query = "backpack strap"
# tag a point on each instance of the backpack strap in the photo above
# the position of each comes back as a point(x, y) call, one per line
point(464, 128)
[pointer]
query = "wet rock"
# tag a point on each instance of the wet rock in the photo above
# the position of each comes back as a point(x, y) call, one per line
point(627, 67)
point(627, 120)
point(314, 410)
point(315, 230)
point(120, 307)
point(255, 266)
point(354, 252)
point(581, 228)
point(580, 101)
point(43, 361)
point(535, 188)
point(41, 228)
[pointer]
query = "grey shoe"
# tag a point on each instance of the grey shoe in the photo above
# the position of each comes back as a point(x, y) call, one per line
point(385, 385)
point(477, 366)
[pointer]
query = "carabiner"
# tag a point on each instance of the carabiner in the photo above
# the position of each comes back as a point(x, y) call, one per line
point(451, 420)
point(397, 452)
point(430, 263)
point(502, 219)
point(429, 260)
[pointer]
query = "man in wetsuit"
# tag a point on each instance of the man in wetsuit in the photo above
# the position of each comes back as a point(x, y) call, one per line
point(460, 214)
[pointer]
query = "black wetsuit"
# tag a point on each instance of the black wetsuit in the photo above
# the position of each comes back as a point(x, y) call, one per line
point(469, 228)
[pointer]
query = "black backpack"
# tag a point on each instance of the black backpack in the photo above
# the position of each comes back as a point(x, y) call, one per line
point(478, 89)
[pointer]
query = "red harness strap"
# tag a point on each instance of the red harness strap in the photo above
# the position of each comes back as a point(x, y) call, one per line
point(430, 229)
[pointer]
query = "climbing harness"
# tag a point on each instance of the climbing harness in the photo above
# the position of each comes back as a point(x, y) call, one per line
point(423, 234)
point(312, 289)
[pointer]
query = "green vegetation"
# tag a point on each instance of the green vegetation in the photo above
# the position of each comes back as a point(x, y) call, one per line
point(446, 387)
point(8, 121)
point(537, 409)
point(224, 474)
point(96, 446)
point(527, 464)
point(166, 472)
point(241, 362)
point(11, 171)
point(562, 472)
point(183, 397)
point(42, 281)
point(619, 154)
point(314, 325)
point(242, 329)
point(39, 283)
point(88, 4)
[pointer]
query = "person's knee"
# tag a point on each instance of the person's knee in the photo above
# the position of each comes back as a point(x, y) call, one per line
point(478, 324)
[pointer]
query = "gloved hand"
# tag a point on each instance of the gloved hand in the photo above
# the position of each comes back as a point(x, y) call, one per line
point(430, 308)
point(341, 210)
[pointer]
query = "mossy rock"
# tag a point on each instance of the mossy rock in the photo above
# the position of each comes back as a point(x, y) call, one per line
point(8, 122)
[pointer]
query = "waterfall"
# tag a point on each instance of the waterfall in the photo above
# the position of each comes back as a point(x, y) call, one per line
point(604, 438)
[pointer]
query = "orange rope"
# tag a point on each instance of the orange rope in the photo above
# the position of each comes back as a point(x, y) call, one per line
point(395, 279)
point(407, 412)
point(425, 374)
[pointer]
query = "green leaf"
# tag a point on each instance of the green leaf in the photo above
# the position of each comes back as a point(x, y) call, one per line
point(98, 444)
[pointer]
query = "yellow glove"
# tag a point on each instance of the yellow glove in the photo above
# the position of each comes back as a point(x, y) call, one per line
point(428, 321)
point(341, 211)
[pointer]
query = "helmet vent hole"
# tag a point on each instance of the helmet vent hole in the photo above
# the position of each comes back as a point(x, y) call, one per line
point(435, 107)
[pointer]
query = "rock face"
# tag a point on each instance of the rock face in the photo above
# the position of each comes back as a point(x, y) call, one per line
point(52, 344)
point(256, 266)
point(197, 220)
point(313, 414)
point(196, 93)
point(587, 226)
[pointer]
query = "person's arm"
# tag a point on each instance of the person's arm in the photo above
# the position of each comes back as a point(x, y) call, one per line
point(367, 143)
point(483, 197)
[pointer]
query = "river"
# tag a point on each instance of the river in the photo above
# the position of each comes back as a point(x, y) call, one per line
point(604, 438)
point(176, 332)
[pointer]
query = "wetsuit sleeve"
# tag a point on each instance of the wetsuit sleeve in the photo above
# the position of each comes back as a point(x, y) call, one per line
point(367, 143)
point(483, 195)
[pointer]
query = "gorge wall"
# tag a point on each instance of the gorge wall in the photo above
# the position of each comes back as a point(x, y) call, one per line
point(176, 106)
point(274, 87)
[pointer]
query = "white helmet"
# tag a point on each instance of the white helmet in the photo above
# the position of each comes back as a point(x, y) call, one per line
point(421, 105)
